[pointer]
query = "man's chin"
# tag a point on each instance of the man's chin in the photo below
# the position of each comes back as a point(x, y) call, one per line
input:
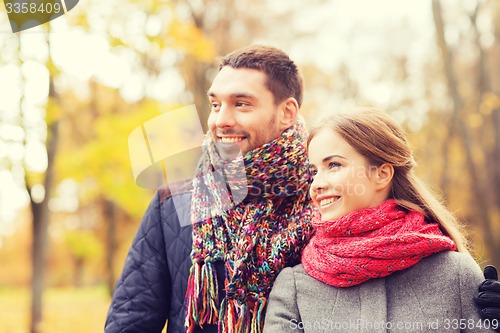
point(228, 151)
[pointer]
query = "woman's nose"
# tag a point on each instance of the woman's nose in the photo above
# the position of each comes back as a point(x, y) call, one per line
point(319, 182)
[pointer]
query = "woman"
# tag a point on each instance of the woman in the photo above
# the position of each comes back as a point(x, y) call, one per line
point(387, 256)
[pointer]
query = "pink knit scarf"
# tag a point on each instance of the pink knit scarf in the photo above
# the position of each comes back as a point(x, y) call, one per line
point(371, 243)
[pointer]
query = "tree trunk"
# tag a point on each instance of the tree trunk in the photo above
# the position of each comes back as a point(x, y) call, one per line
point(483, 88)
point(457, 103)
point(41, 215)
point(78, 278)
point(495, 161)
point(40, 211)
point(38, 262)
point(110, 222)
point(495, 86)
point(482, 202)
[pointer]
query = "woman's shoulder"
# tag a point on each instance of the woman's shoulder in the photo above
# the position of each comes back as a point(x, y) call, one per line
point(293, 271)
point(295, 276)
point(452, 259)
point(447, 264)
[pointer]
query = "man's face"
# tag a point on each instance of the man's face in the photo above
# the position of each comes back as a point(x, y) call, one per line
point(243, 115)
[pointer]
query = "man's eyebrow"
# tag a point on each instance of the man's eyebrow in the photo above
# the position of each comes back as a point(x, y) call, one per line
point(235, 95)
point(243, 95)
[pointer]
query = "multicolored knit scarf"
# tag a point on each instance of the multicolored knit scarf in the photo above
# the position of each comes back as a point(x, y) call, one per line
point(254, 214)
point(371, 243)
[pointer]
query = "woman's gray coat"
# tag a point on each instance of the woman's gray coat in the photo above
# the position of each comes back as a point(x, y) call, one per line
point(435, 295)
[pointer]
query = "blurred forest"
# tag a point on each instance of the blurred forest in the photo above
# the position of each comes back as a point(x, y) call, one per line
point(73, 90)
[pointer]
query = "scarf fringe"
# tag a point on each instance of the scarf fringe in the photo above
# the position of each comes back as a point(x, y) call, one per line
point(236, 317)
point(202, 296)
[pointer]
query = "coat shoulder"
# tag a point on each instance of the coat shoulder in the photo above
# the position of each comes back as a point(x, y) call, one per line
point(181, 186)
point(451, 261)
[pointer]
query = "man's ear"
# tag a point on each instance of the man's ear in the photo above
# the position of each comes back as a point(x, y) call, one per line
point(383, 176)
point(289, 109)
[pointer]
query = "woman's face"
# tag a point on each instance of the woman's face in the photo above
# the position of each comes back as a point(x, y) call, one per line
point(343, 179)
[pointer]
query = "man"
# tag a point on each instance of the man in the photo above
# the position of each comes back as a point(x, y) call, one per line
point(219, 269)
point(215, 273)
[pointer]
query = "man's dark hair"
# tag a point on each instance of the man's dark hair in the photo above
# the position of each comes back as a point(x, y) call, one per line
point(283, 77)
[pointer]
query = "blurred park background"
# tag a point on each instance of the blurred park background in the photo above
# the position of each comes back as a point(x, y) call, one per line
point(73, 90)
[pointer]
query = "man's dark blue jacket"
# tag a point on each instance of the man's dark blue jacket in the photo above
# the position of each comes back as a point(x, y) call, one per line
point(153, 282)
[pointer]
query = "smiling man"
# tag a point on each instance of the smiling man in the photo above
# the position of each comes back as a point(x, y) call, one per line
point(215, 274)
point(244, 112)
point(252, 104)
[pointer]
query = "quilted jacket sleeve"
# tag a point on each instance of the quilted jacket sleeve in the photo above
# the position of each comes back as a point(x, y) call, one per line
point(141, 296)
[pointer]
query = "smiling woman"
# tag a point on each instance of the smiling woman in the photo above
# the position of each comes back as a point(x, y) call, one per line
point(344, 180)
point(382, 240)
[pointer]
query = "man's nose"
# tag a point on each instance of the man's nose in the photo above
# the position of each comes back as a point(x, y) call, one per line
point(225, 117)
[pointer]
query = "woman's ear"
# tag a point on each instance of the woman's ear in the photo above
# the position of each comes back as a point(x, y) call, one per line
point(384, 175)
point(289, 112)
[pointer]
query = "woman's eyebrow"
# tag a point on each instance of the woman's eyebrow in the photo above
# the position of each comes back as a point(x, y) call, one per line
point(331, 157)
